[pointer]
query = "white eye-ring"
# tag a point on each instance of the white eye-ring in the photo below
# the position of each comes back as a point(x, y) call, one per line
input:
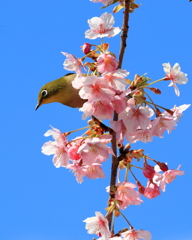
point(44, 93)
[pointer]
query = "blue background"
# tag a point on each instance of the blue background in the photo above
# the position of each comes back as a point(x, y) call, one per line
point(40, 202)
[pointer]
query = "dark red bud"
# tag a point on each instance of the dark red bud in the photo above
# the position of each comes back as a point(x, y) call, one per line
point(141, 188)
point(155, 90)
point(163, 166)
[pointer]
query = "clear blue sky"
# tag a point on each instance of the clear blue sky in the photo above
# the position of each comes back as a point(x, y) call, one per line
point(40, 202)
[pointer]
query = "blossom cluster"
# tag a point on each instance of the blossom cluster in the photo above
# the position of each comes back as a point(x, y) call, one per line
point(126, 195)
point(83, 155)
point(99, 225)
point(106, 90)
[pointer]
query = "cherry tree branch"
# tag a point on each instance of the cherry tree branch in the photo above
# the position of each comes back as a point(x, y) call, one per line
point(124, 33)
point(115, 160)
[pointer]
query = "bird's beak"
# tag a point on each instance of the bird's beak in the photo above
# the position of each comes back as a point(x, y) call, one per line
point(38, 105)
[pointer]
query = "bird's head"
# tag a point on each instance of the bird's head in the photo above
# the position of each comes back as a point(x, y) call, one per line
point(47, 94)
point(62, 91)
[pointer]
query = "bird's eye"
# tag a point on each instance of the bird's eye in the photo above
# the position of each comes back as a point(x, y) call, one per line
point(44, 93)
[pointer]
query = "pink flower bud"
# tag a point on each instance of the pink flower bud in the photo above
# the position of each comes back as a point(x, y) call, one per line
point(148, 171)
point(86, 48)
point(72, 152)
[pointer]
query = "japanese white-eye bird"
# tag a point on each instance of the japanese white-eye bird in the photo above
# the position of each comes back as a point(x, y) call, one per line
point(62, 91)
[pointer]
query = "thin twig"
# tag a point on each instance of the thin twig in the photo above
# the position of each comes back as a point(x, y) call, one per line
point(126, 220)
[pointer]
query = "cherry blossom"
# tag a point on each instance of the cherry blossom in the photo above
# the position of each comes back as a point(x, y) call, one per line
point(135, 118)
point(93, 171)
point(95, 89)
point(72, 63)
point(112, 238)
point(136, 235)
point(98, 225)
point(152, 190)
point(175, 75)
point(120, 129)
point(138, 135)
point(58, 149)
point(116, 79)
point(105, 2)
point(106, 138)
point(115, 238)
point(72, 152)
point(102, 109)
point(102, 27)
point(119, 103)
point(127, 195)
point(77, 170)
point(78, 82)
point(93, 150)
point(167, 177)
point(56, 134)
point(177, 111)
point(104, 89)
point(164, 122)
point(106, 63)
point(145, 135)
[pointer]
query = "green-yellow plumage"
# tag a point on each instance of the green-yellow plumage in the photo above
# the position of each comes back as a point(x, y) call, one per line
point(62, 91)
